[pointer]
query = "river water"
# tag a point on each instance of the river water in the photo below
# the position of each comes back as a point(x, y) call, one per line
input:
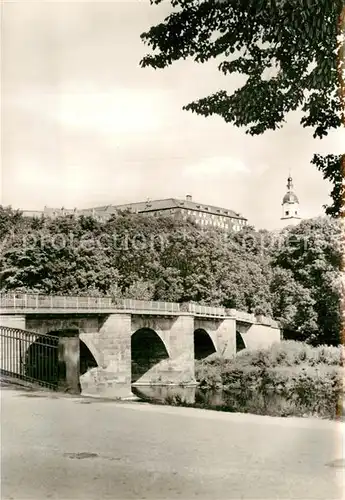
point(237, 400)
point(232, 401)
point(189, 395)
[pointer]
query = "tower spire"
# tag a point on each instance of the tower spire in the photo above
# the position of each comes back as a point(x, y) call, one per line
point(290, 203)
point(289, 183)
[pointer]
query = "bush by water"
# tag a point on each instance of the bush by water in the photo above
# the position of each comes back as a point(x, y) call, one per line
point(287, 379)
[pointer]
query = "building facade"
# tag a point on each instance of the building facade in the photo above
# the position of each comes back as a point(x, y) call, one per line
point(203, 215)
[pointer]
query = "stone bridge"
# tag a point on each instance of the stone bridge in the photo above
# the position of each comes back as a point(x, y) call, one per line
point(127, 342)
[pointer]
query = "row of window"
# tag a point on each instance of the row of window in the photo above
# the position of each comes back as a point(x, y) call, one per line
point(222, 225)
point(212, 216)
point(213, 223)
point(208, 208)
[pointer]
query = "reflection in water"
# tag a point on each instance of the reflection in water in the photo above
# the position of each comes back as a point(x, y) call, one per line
point(234, 401)
point(183, 395)
point(264, 402)
point(163, 394)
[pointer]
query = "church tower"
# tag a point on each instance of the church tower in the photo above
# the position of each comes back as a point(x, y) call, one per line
point(290, 206)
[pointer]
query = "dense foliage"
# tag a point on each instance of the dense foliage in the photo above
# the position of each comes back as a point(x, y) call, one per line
point(291, 53)
point(307, 284)
point(292, 276)
point(287, 379)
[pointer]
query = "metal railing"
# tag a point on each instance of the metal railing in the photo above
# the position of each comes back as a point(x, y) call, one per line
point(27, 301)
point(147, 305)
point(29, 356)
point(24, 302)
point(199, 310)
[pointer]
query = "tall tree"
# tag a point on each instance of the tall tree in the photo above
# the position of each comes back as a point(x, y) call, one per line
point(291, 51)
point(307, 277)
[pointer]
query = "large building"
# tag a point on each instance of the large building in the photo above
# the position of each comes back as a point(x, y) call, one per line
point(202, 214)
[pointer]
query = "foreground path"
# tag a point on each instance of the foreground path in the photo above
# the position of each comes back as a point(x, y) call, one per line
point(76, 448)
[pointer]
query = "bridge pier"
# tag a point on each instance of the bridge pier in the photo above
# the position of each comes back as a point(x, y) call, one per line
point(179, 368)
point(69, 361)
point(222, 333)
point(112, 378)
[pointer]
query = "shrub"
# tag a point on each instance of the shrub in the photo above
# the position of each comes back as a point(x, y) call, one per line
point(290, 378)
point(291, 353)
point(208, 375)
point(318, 389)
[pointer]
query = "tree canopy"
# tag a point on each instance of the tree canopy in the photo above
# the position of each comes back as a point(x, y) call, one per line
point(292, 276)
point(307, 283)
point(292, 53)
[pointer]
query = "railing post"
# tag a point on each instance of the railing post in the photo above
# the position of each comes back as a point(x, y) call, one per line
point(14, 301)
point(36, 301)
point(64, 302)
point(88, 302)
point(51, 301)
point(77, 303)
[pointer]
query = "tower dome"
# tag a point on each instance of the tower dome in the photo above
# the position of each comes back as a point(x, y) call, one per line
point(290, 197)
point(290, 204)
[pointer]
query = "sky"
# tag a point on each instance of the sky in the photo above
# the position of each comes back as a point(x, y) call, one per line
point(84, 125)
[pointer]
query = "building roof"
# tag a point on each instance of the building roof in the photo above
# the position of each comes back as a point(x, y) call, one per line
point(147, 207)
point(166, 204)
point(290, 197)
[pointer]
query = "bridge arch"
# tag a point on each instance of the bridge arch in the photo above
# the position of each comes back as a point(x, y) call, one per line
point(240, 343)
point(87, 340)
point(203, 344)
point(87, 359)
point(148, 350)
point(40, 360)
point(41, 357)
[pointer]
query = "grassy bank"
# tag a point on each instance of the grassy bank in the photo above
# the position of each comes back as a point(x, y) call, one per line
point(288, 379)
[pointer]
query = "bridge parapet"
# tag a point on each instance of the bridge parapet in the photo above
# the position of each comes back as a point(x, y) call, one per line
point(24, 303)
point(29, 302)
point(35, 301)
point(248, 318)
point(146, 305)
point(205, 311)
point(264, 320)
point(241, 316)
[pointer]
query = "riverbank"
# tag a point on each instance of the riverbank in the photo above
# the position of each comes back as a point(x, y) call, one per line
point(290, 379)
